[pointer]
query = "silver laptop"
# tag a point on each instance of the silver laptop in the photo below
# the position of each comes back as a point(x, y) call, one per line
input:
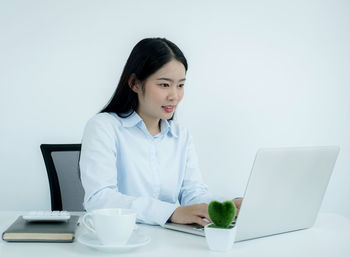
point(284, 192)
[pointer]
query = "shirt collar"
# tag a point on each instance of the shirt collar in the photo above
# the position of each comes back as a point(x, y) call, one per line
point(168, 127)
point(165, 125)
point(131, 121)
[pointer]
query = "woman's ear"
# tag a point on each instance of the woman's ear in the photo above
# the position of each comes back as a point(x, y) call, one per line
point(134, 83)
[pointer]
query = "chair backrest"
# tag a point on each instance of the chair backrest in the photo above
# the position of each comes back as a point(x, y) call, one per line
point(62, 165)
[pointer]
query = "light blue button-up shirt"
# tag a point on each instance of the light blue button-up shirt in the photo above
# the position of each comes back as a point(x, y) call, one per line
point(123, 166)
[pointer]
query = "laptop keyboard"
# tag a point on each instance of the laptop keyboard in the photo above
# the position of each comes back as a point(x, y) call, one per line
point(188, 228)
point(200, 228)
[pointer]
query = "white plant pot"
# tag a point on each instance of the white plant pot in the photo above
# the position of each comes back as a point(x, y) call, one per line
point(220, 239)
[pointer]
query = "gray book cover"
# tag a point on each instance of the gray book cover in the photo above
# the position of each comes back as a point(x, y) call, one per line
point(24, 231)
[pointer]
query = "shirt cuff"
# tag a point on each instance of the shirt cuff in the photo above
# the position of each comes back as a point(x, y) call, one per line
point(153, 211)
point(166, 211)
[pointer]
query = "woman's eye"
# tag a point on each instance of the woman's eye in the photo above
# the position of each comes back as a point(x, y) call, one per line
point(164, 85)
point(181, 85)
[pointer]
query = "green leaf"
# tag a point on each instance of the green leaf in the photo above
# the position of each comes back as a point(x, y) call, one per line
point(222, 214)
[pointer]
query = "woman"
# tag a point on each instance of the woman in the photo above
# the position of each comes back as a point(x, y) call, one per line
point(134, 155)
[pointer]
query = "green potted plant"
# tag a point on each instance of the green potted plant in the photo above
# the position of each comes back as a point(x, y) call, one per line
point(220, 234)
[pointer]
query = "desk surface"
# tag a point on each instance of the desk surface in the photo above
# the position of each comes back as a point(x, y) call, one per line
point(329, 237)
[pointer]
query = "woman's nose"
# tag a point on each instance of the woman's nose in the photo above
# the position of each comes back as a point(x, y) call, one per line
point(173, 94)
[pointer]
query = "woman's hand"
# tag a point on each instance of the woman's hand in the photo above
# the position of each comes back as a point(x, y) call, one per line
point(191, 214)
point(237, 202)
point(196, 212)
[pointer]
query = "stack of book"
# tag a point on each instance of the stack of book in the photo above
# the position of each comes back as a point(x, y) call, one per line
point(24, 231)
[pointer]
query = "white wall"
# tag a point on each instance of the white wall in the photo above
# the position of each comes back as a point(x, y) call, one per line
point(261, 74)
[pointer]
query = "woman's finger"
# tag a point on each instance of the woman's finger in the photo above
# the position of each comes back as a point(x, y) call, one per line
point(200, 221)
point(206, 216)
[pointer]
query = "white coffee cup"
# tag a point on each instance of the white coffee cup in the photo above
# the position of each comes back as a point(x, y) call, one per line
point(112, 226)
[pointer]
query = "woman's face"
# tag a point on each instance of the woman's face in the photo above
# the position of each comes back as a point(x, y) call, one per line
point(163, 91)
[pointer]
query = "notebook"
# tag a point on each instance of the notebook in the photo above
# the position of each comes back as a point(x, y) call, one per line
point(24, 231)
point(284, 192)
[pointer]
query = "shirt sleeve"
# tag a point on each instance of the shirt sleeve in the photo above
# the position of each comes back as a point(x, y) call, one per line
point(193, 189)
point(99, 175)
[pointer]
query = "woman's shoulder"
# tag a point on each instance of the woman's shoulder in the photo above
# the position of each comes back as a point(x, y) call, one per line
point(106, 120)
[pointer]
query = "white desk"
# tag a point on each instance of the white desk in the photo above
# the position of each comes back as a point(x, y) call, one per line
point(329, 237)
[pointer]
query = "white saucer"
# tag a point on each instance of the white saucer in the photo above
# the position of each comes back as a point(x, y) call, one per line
point(136, 240)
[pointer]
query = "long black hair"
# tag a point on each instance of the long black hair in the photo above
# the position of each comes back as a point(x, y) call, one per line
point(148, 56)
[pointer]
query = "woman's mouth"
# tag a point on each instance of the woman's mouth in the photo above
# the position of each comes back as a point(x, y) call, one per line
point(169, 108)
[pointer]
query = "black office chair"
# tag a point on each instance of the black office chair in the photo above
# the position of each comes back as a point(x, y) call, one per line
point(62, 165)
